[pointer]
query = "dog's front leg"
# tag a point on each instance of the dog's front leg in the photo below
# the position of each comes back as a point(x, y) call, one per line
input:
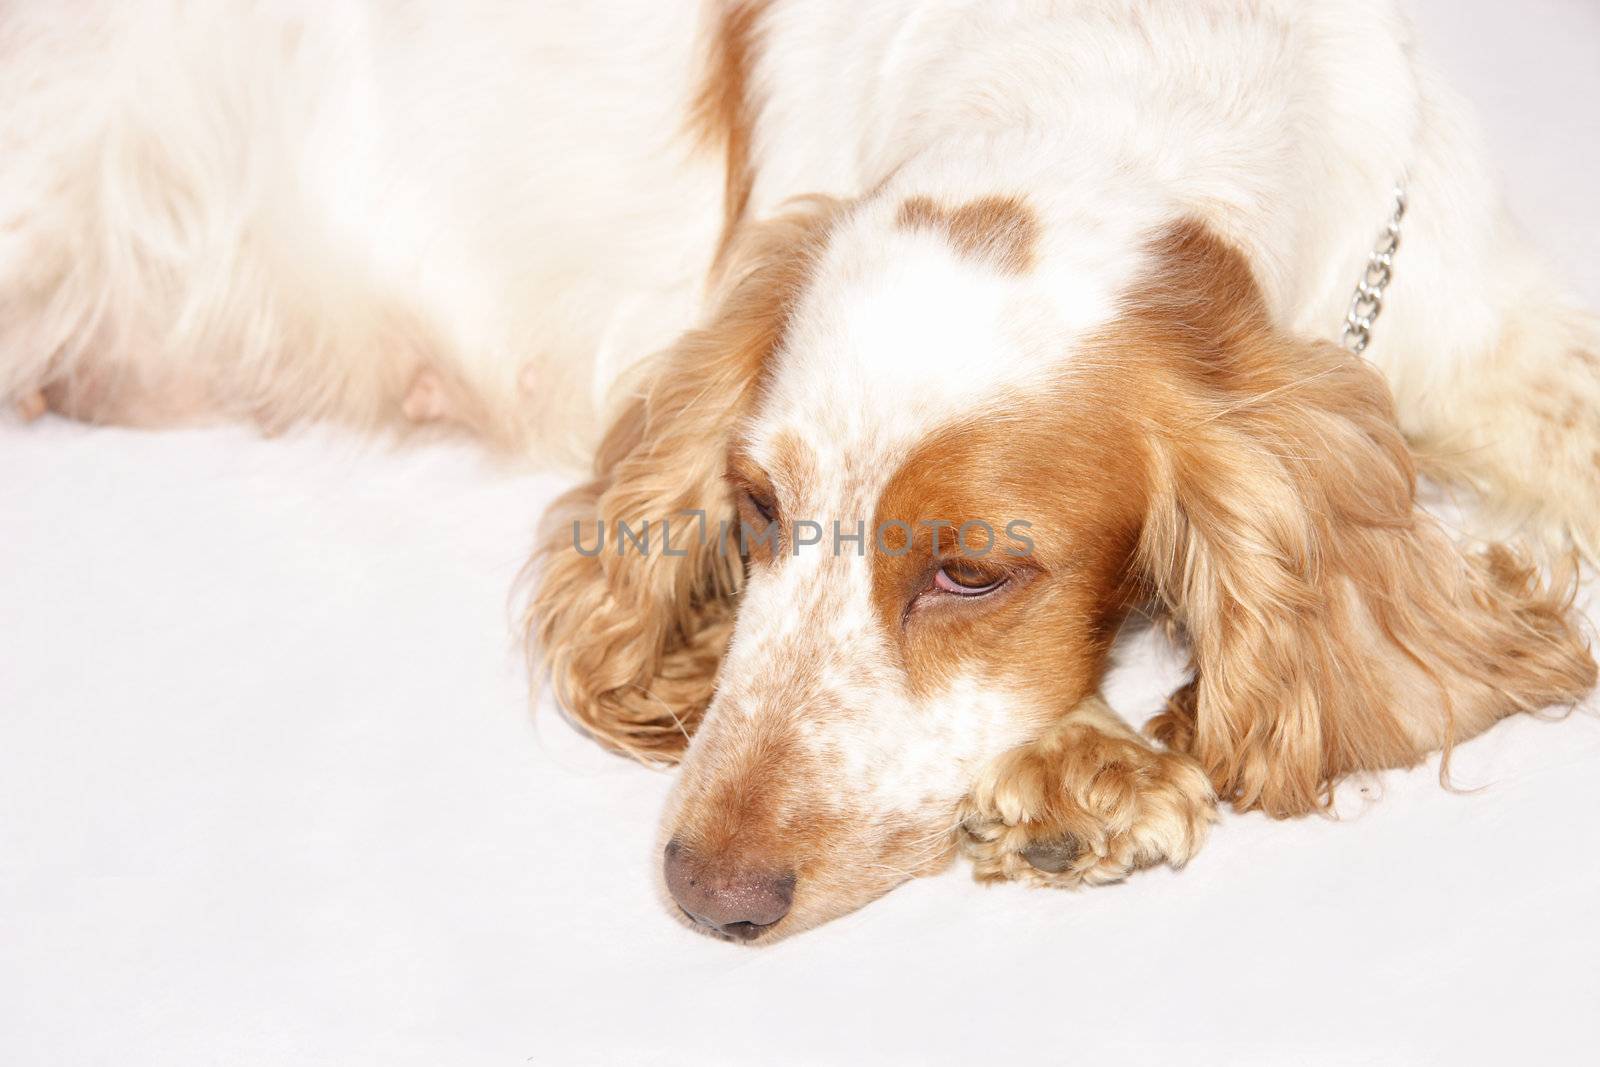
point(1087, 803)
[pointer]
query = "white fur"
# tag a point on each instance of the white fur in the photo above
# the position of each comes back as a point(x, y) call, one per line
point(308, 200)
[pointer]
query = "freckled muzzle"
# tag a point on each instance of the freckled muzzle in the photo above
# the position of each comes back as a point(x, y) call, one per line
point(724, 899)
point(791, 772)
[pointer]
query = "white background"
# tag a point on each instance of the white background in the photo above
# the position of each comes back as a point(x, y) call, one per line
point(270, 792)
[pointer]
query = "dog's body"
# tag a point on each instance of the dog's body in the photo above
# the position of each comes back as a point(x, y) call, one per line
point(1079, 260)
point(280, 211)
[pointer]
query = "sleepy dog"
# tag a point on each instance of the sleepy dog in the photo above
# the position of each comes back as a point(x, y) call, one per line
point(914, 345)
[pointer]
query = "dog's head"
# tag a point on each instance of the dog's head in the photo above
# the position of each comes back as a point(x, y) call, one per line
point(901, 491)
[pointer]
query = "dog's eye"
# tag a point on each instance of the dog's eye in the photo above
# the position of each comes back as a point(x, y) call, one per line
point(762, 506)
point(961, 578)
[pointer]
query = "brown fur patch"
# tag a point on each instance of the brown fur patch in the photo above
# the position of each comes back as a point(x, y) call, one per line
point(1060, 462)
point(723, 114)
point(1335, 626)
point(1001, 231)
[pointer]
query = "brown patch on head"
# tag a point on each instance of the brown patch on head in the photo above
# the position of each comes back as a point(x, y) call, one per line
point(1047, 501)
point(1001, 231)
point(723, 114)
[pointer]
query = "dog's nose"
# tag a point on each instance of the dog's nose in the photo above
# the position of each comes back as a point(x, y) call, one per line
point(736, 902)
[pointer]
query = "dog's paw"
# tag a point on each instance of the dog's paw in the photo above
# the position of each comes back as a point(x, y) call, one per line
point(1086, 804)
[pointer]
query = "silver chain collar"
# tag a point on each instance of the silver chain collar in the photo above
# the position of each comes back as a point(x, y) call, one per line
point(1367, 303)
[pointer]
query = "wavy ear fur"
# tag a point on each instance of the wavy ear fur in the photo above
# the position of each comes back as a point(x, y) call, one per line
point(632, 641)
point(1335, 626)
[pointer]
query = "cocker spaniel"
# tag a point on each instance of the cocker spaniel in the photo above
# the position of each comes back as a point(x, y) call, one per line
point(933, 339)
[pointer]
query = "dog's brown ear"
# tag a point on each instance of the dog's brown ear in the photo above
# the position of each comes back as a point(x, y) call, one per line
point(1335, 626)
point(631, 636)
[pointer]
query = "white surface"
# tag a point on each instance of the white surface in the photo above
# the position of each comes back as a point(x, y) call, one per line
point(270, 793)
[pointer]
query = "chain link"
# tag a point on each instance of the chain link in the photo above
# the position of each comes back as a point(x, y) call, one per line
point(1367, 303)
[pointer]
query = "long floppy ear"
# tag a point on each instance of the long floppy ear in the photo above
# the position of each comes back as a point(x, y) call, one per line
point(1335, 626)
point(631, 637)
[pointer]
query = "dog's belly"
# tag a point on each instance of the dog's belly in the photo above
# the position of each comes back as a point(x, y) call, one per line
point(301, 211)
point(539, 194)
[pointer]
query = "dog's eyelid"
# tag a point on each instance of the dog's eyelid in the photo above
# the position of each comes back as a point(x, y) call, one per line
point(973, 570)
point(994, 563)
point(758, 490)
point(966, 582)
point(937, 588)
point(767, 509)
point(763, 503)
